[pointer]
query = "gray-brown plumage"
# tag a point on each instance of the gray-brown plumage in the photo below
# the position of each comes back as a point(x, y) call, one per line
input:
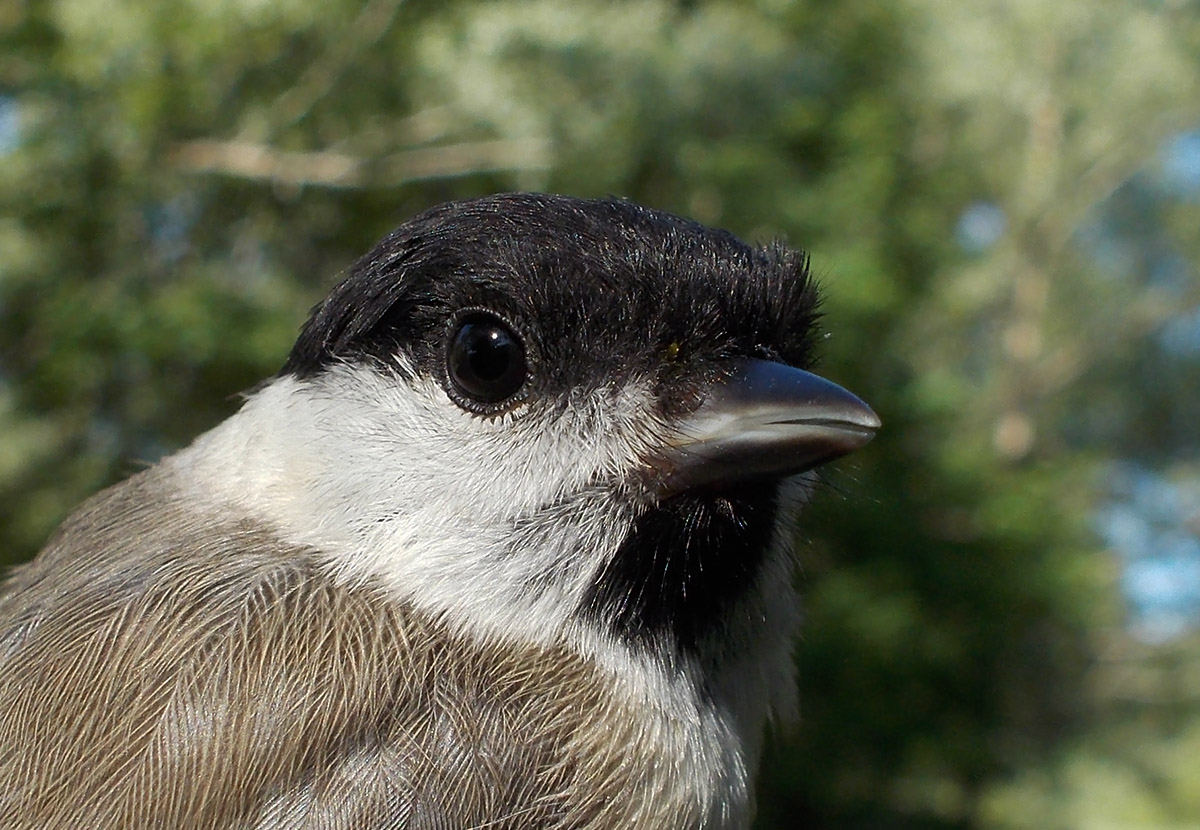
point(476, 558)
point(215, 679)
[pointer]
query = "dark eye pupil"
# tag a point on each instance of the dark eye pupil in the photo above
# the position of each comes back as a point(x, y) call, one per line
point(489, 352)
point(486, 360)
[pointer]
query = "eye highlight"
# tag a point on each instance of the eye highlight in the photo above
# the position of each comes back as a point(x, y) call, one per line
point(485, 362)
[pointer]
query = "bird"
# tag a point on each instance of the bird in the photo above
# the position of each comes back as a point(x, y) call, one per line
point(506, 543)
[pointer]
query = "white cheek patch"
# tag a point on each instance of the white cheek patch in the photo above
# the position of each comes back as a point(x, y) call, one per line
point(500, 521)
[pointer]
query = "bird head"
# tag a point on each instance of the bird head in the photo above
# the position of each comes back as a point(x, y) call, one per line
point(533, 415)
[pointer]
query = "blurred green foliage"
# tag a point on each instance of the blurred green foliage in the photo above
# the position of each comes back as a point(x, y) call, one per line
point(184, 180)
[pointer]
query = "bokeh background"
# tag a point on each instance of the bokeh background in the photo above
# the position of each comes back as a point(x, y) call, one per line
point(1001, 198)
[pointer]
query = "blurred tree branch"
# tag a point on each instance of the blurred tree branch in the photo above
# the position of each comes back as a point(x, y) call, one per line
point(371, 24)
point(325, 168)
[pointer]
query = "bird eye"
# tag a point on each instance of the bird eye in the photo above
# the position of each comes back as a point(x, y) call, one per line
point(486, 363)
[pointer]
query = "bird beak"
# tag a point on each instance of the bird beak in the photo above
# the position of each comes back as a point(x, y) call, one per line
point(762, 420)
